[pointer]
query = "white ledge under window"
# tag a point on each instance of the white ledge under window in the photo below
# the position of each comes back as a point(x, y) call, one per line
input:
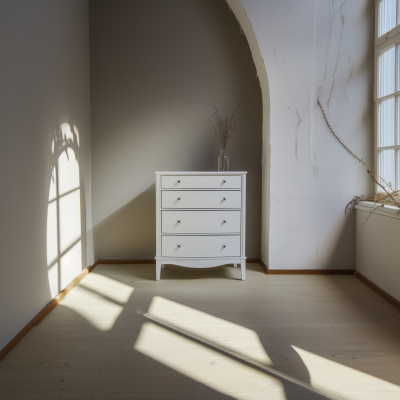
point(377, 245)
point(376, 208)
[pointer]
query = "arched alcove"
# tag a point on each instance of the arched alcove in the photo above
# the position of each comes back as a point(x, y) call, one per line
point(64, 216)
point(156, 74)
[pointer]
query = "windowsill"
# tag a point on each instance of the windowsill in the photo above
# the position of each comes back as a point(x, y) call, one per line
point(387, 211)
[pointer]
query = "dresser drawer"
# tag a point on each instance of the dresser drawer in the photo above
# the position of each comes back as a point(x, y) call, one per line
point(200, 246)
point(201, 199)
point(201, 182)
point(200, 221)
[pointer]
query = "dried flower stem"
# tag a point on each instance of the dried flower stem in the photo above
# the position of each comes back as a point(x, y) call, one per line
point(224, 125)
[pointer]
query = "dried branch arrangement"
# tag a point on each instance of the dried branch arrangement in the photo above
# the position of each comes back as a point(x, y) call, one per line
point(224, 125)
point(389, 196)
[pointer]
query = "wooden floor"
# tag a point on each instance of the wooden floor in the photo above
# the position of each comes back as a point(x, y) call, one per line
point(206, 334)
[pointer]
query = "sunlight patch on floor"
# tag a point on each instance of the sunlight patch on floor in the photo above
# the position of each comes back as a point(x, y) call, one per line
point(346, 383)
point(114, 290)
point(205, 365)
point(99, 299)
point(216, 330)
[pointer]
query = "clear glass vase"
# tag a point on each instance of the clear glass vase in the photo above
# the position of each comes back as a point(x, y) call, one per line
point(223, 161)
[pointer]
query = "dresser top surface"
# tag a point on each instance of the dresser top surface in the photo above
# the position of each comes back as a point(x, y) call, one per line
point(219, 173)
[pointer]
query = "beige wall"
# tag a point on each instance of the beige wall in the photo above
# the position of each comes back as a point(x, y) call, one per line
point(157, 69)
point(44, 81)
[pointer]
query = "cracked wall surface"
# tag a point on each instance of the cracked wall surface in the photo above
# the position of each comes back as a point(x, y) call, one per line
point(315, 49)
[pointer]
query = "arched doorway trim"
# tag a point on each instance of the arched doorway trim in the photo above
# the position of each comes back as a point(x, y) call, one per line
point(248, 31)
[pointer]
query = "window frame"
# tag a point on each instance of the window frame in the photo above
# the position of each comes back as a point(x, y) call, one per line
point(382, 44)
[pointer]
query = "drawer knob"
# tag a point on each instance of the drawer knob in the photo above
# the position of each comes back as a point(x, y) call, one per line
point(179, 181)
point(223, 181)
point(179, 221)
point(179, 246)
point(224, 221)
point(178, 198)
point(224, 199)
point(223, 246)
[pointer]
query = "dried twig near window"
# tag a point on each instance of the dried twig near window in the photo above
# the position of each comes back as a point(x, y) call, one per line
point(355, 200)
point(388, 196)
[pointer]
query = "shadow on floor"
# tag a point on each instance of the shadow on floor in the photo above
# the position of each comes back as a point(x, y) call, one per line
point(95, 343)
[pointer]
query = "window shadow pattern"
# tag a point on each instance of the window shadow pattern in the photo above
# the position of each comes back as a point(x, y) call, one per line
point(64, 219)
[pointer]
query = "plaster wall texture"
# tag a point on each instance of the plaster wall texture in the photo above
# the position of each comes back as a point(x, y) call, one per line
point(157, 69)
point(44, 81)
point(315, 49)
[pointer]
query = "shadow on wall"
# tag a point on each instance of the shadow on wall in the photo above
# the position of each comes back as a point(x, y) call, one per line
point(157, 69)
point(130, 232)
point(336, 240)
point(65, 211)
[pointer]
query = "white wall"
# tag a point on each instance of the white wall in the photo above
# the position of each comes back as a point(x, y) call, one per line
point(44, 81)
point(315, 48)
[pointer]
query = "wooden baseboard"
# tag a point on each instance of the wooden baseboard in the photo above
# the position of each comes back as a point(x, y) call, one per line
point(305, 271)
point(15, 340)
point(310, 271)
point(92, 267)
point(263, 266)
point(110, 262)
point(36, 321)
point(45, 311)
point(394, 302)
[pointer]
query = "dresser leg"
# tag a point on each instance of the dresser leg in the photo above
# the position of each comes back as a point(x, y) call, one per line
point(235, 265)
point(158, 270)
point(243, 268)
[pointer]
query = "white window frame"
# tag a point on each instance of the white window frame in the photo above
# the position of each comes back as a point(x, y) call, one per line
point(382, 44)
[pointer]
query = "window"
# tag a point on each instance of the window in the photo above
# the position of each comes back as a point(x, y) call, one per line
point(387, 92)
point(387, 16)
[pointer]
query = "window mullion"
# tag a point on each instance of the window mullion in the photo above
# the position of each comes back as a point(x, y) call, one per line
point(396, 160)
point(395, 113)
point(388, 96)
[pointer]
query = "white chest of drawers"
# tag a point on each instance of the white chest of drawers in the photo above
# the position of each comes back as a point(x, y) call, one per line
point(200, 219)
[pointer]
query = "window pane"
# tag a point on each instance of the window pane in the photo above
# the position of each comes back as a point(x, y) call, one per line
point(398, 68)
point(386, 123)
point(386, 167)
point(387, 16)
point(386, 74)
point(397, 127)
point(398, 170)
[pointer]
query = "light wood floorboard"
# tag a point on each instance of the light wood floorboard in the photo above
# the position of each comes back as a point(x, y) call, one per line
point(207, 334)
